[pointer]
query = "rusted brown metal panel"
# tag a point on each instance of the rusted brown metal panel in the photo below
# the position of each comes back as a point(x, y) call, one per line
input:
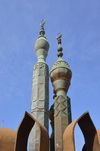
point(89, 131)
point(23, 132)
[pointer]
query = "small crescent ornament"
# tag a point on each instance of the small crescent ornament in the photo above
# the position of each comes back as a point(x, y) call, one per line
point(59, 35)
point(42, 22)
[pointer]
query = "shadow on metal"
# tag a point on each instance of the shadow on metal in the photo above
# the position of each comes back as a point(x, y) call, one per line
point(89, 131)
point(23, 132)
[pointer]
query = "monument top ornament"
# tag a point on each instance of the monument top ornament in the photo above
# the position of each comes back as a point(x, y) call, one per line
point(60, 69)
point(58, 37)
point(43, 22)
point(42, 32)
point(41, 44)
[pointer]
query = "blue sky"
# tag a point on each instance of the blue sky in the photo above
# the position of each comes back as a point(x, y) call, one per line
point(79, 22)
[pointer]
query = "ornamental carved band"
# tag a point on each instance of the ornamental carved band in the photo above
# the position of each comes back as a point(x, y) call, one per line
point(62, 105)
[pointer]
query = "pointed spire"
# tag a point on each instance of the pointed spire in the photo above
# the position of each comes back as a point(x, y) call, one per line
point(58, 37)
point(42, 32)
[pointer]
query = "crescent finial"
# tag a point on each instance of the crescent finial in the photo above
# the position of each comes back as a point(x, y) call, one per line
point(42, 32)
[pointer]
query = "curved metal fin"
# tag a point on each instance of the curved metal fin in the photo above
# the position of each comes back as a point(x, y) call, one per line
point(88, 130)
point(23, 132)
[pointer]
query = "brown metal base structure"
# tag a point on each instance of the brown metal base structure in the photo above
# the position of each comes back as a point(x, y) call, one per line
point(23, 133)
point(91, 135)
point(89, 131)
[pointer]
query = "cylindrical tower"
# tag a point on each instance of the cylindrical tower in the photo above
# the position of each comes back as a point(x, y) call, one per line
point(40, 88)
point(60, 77)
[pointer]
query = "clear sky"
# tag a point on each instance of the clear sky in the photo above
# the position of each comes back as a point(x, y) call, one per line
point(79, 22)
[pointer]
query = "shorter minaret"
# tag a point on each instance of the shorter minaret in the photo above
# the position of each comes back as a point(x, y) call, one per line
point(60, 77)
point(40, 88)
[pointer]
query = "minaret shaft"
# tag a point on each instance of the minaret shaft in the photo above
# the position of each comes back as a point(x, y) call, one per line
point(40, 92)
point(40, 96)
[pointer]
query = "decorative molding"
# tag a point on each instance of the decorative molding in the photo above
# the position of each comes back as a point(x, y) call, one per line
point(62, 105)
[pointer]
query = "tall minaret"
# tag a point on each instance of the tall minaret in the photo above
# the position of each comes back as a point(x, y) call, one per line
point(60, 77)
point(40, 88)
